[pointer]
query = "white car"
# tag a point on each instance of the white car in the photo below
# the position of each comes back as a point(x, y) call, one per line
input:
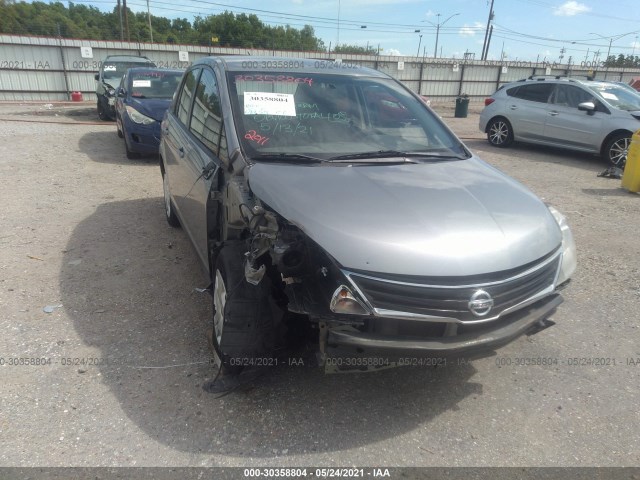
point(585, 115)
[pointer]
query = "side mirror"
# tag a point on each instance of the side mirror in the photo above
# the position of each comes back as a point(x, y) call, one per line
point(97, 77)
point(588, 107)
point(122, 92)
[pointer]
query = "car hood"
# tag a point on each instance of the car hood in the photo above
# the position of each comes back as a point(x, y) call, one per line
point(445, 218)
point(151, 107)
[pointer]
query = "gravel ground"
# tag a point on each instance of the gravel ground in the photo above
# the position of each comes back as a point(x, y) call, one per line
point(82, 231)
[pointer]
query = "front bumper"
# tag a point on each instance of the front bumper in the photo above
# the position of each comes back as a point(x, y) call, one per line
point(142, 138)
point(479, 343)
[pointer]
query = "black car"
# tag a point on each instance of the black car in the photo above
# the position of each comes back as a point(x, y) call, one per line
point(329, 195)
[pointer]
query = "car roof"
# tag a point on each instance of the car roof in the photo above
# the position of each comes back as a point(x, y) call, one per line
point(586, 81)
point(127, 58)
point(154, 69)
point(249, 63)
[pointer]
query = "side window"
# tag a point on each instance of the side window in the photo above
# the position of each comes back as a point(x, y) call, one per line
point(570, 96)
point(513, 92)
point(206, 118)
point(535, 92)
point(183, 104)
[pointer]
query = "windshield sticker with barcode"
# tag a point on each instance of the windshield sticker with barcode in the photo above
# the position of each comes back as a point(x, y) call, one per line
point(260, 103)
point(141, 83)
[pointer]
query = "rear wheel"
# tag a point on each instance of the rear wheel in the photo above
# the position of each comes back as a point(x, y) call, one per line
point(243, 333)
point(169, 211)
point(130, 154)
point(119, 126)
point(500, 133)
point(616, 149)
point(102, 115)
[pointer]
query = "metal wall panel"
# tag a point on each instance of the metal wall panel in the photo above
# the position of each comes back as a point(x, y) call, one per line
point(31, 68)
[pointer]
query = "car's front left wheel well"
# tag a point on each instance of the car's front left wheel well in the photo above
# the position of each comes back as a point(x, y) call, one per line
point(615, 147)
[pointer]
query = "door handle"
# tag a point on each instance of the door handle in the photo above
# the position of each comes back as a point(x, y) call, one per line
point(181, 152)
point(554, 113)
point(513, 107)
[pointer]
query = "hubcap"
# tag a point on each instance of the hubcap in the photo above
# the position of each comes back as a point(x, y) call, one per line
point(618, 151)
point(498, 133)
point(219, 302)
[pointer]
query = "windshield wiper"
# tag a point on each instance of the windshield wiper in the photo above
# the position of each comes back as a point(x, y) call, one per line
point(394, 153)
point(286, 157)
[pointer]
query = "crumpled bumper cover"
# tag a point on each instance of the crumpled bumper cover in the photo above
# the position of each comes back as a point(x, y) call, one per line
point(341, 343)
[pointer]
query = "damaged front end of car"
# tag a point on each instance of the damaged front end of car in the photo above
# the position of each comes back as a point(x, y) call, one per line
point(367, 319)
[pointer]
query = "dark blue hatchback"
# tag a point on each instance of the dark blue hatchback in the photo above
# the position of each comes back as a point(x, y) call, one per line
point(143, 97)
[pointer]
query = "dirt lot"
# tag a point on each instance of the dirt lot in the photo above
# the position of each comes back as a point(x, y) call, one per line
point(82, 231)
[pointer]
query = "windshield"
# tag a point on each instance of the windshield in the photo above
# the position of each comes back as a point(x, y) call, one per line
point(618, 97)
point(112, 72)
point(284, 115)
point(153, 83)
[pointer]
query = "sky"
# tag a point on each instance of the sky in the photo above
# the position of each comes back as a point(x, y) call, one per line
point(524, 30)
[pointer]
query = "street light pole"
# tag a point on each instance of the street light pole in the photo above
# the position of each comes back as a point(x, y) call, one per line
point(611, 39)
point(438, 25)
point(419, 43)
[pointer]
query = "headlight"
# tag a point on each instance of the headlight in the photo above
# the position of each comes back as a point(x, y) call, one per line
point(569, 260)
point(137, 117)
point(343, 301)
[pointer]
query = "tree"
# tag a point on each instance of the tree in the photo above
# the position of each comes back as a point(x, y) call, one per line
point(355, 49)
point(87, 22)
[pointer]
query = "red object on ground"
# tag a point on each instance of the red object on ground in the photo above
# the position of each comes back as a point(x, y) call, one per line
point(76, 96)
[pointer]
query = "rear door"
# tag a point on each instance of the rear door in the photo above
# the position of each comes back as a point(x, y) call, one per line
point(202, 162)
point(526, 109)
point(177, 144)
point(195, 147)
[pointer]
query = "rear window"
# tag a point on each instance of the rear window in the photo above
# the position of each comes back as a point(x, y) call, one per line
point(154, 83)
point(112, 72)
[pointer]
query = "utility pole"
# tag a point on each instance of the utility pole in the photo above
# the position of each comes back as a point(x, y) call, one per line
point(120, 16)
point(338, 39)
point(149, 17)
point(419, 43)
point(486, 34)
point(486, 52)
point(126, 20)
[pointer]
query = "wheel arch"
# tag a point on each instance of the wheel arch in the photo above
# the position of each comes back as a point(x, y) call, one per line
point(496, 117)
point(615, 133)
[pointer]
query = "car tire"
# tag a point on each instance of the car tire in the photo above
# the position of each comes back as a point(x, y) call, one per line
point(499, 132)
point(131, 155)
point(118, 125)
point(616, 149)
point(169, 210)
point(242, 315)
point(102, 115)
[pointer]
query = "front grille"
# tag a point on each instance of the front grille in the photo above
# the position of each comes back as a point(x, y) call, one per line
point(422, 296)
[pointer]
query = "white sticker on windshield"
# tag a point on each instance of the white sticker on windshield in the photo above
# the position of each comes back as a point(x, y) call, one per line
point(141, 83)
point(609, 96)
point(260, 103)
